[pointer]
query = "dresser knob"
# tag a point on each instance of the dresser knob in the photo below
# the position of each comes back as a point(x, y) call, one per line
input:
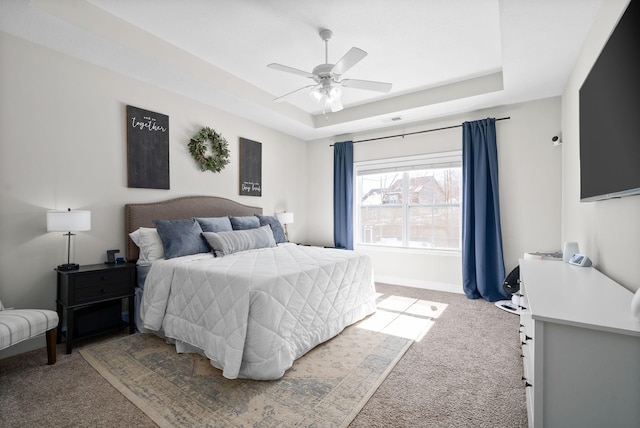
point(527, 385)
point(526, 337)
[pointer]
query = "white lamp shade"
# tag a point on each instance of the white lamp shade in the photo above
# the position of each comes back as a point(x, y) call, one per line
point(316, 94)
point(335, 93)
point(285, 217)
point(68, 221)
point(336, 105)
point(331, 96)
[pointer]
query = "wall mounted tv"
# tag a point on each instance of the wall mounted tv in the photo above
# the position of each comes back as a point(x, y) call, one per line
point(610, 115)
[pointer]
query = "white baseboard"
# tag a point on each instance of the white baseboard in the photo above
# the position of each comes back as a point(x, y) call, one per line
point(429, 285)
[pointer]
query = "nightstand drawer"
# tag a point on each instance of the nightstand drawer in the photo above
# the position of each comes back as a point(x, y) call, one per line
point(94, 283)
point(99, 290)
point(106, 277)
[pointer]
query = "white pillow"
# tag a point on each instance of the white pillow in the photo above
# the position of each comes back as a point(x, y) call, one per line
point(135, 237)
point(150, 244)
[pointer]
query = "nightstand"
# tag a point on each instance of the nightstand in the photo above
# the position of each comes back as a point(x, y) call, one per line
point(90, 300)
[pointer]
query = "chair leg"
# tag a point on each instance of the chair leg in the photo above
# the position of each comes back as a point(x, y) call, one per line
point(51, 346)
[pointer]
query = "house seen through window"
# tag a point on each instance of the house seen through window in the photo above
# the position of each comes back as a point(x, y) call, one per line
point(412, 202)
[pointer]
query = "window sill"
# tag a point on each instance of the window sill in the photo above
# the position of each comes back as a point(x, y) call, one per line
point(408, 250)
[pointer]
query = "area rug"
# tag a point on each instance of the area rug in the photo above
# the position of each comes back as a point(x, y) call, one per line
point(328, 386)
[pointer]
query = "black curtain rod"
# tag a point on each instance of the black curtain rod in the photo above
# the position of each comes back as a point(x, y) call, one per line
point(417, 132)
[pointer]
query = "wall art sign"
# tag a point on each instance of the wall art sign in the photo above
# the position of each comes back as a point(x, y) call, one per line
point(147, 149)
point(250, 167)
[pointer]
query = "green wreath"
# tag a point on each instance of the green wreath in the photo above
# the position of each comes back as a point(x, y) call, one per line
point(219, 147)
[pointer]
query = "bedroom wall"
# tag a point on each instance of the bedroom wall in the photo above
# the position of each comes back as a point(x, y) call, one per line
point(63, 144)
point(607, 231)
point(530, 189)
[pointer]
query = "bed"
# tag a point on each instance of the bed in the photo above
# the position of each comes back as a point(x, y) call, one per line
point(251, 309)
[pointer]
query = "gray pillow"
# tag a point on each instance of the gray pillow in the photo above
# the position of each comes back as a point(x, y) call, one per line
point(276, 227)
point(244, 222)
point(181, 237)
point(215, 224)
point(223, 243)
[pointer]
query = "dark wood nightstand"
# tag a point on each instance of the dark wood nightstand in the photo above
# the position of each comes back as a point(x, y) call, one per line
point(91, 297)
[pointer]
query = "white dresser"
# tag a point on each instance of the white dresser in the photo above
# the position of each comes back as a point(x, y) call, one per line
point(581, 348)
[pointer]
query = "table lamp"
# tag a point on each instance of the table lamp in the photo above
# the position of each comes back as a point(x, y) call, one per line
point(68, 221)
point(285, 218)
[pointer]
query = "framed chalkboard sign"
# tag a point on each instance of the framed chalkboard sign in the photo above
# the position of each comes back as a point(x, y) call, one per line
point(147, 149)
point(250, 167)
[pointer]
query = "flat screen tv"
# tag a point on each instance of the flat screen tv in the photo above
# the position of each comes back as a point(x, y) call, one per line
point(610, 115)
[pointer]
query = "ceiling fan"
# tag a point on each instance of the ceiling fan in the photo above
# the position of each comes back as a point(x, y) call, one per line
point(326, 77)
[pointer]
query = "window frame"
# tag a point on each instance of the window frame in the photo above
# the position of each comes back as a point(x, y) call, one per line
point(404, 164)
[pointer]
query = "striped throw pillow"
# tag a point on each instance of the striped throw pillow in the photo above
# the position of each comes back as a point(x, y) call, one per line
point(223, 243)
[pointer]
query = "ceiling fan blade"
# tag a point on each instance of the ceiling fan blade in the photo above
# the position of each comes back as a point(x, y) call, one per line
point(281, 98)
point(366, 84)
point(290, 70)
point(349, 59)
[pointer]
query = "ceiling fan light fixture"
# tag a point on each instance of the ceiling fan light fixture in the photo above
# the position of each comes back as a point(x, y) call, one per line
point(329, 95)
point(336, 105)
point(327, 77)
point(316, 94)
point(335, 93)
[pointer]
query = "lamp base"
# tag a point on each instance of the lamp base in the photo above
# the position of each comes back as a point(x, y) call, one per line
point(68, 266)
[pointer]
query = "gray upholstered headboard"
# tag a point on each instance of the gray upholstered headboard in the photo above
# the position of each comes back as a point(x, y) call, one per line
point(143, 215)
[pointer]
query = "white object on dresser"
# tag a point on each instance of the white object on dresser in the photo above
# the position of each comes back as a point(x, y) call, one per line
point(555, 255)
point(580, 260)
point(570, 248)
point(581, 348)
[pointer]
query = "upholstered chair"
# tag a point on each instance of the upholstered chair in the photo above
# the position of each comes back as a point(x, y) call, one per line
point(18, 325)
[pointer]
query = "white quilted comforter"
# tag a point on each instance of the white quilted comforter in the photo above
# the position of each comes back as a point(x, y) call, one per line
point(253, 313)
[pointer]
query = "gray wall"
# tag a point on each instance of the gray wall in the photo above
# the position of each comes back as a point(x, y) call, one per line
point(63, 145)
point(530, 190)
point(607, 231)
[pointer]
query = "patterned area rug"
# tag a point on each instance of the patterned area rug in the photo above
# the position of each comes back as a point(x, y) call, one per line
point(328, 386)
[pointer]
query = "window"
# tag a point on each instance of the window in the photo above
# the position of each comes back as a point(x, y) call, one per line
point(410, 202)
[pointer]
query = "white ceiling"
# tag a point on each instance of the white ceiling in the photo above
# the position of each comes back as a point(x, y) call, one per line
point(443, 57)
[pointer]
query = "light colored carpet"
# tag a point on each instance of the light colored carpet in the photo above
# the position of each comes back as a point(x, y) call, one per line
point(465, 372)
point(326, 387)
